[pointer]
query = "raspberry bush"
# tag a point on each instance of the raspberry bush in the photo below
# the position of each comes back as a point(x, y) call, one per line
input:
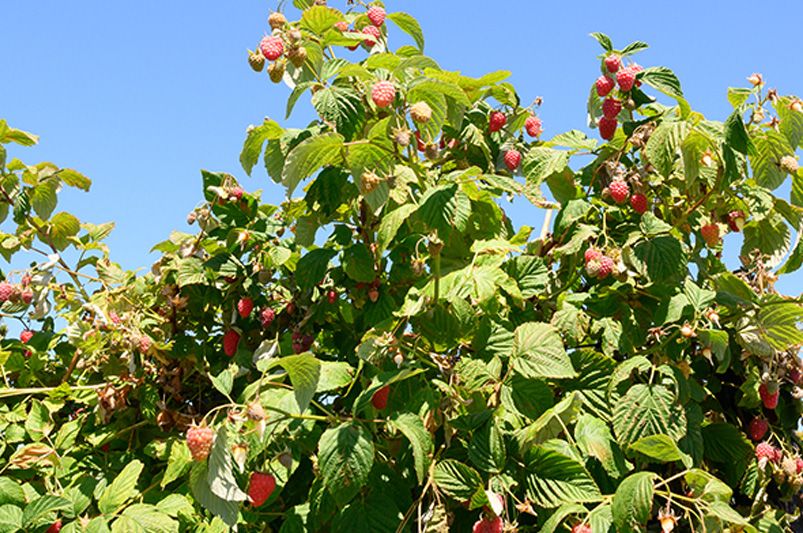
point(384, 350)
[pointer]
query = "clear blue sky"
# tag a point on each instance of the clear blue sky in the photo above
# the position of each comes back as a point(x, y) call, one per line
point(141, 95)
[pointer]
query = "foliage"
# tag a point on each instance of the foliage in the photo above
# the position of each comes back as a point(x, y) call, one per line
point(413, 361)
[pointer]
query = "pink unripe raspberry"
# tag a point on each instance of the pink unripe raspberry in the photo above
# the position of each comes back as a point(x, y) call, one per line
point(612, 63)
point(496, 121)
point(199, 441)
point(767, 452)
point(626, 78)
point(604, 85)
point(27, 296)
point(266, 317)
point(512, 159)
point(341, 25)
point(606, 266)
point(639, 203)
point(271, 47)
point(611, 107)
point(619, 191)
point(592, 254)
point(6, 290)
point(373, 33)
point(533, 126)
point(376, 15)
point(383, 94)
point(607, 128)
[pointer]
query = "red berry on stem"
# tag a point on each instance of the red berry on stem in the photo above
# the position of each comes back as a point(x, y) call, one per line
point(488, 525)
point(231, 339)
point(769, 393)
point(607, 128)
point(260, 487)
point(512, 159)
point(26, 335)
point(6, 290)
point(736, 220)
point(376, 15)
point(373, 33)
point(533, 126)
point(612, 63)
point(271, 47)
point(611, 107)
point(619, 191)
point(639, 203)
point(245, 306)
point(592, 254)
point(266, 317)
point(605, 267)
point(626, 78)
point(55, 527)
point(383, 94)
point(341, 25)
point(331, 296)
point(604, 85)
point(380, 398)
point(496, 121)
point(199, 441)
point(710, 234)
point(758, 427)
point(581, 527)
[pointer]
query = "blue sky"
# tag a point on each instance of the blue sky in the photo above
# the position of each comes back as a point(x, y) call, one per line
point(141, 95)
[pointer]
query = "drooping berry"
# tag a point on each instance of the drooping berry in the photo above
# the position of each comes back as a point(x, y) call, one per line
point(769, 393)
point(710, 234)
point(373, 36)
point(277, 20)
point(626, 78)
point(496, 121)
point(639, 203)
point(757, 428)
point(606, 266)
point(767, 452)
point(592, 254)
point(266, 317)
point(231, 339)
point(619, 191)
point(271, 47)
point(488, 525)
point(6, 291)
point(145, 343)
point(611, 107)
point(383, 93)
point(376, 14)
point(612, 63)
point(607, 128)
point(297, 56)
point(331, 297)
point(373, 294)
point(512, 159)
point(736, 220)
point(581, 527)
point(533, 126)
point(380, 398)
point(276, 71)
point(26, 335)
point(420, 112)
point(55, 527)
point(245, 306)
point(199, 441)
point(604, 85)
point(260, 487)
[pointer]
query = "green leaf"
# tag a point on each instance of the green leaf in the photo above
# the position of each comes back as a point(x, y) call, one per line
point(663, 147)
point(538, 352)
point(662, 79)
point(593, 437)
point(391, 223)
point(738, 96)
point(43, 198)
point(647, 410)
point(634, 47)
point(562, 512)
point(413, 428)
point(310, 155)
point(255, 140)
point(334, 375)
point(552, 423)
point(62, 226)
point(770, 147)
point(11, 492)
point(457, 480)
point(122, 489)
point(319, 19)
point(311, 269)
point(632, 503)
point(445, 207)
point(190, 272)
point(410, 26)
point(178, 462)
point(660, 448)
point(540, 163)
point(73, 178)
point(305, 372)
point(358, 263)
point(736, 136)
point(726, 513)
point(660, 259)
point(226, 510)
point(43, 506)
point(38, 424)
point(144, 518)
point(603, 40)
point(220, 473)
point(10, 518)
point(554, 479)
point(345, 458)
point(486, 449)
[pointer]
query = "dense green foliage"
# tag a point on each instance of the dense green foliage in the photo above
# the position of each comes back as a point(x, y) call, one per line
point(413, 361)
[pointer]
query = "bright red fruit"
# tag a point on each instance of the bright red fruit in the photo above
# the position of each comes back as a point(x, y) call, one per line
point(611, 107)
point(230, 341)
point(765, 450)
point(373, 33)
point(245, 306)
point(496, 121)
point(592, 254)
point(607, 128)
point(199, 441)
point(533, 126)
point(604, 85)
point(26, 335)
point(626, 78)
point(260, 487)
point(758, 428)
point(612, 63)
point(55, 527)
point(331, 296)
point(376, 15)
point(266, 317)
point(380, 398)
point(769, 394)
point(383, 94)
point(619, 191)
point(639, 203)
point(488, 525)
point(271, 47)
point(512, 159)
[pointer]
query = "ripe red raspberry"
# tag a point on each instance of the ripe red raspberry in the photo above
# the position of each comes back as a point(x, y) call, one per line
point(512, 159)
point(533, 126)
point(376, 15)
point(605, 267)
point(383, 94)
point(604, 85)
point(236, 193)
point(765, 450)
point(271, 47)
point(758, 428)
point(6, 290)
point(736, 220)
point(581, 527)
point(245, 306)
point(612, 63)
point(55, 527)
point(607, 128)
point(496, 121)
point(331, 297)
point(373, 33)
point(230, 341)
point(260, 487)
point(592, 254)
point(488, 525)
point(639, 203)
point(769, 394)
point(626, 78)
point(799, 465)
point(199, 441)
point(635, 68)
point(26, 335)
point(710, 234)
point(421, 112)
point(341, 25)
point(611, 107)
point(266, 317)
point(619, 191)
point(380, 398)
